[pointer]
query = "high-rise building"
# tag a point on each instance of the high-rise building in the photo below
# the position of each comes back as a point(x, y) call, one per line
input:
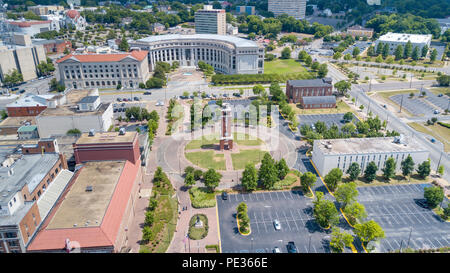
point(294, 8)
point(210, 21)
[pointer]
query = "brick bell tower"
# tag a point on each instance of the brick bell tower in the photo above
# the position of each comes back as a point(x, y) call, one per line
point(226, 137)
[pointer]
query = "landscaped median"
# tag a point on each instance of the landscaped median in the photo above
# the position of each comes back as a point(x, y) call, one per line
point(242, 219)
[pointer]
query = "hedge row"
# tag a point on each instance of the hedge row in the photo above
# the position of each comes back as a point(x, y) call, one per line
point(259, 78)
point(446, 125)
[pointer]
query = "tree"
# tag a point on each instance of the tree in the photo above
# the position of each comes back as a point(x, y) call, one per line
point(433, 55)
point(124, 46)
point(355, 52)
point(346, 193)
point(385, 52)
point(348, 116)
point(407, 166)
point(198, 174)
point(369, 231)
point(286, 53)
point(399, 52)
point(371, 51)
point(342, 87)
point(424, 51)
point(307, 180)
point(211, 179)
point(249, 178)
point(389, 168)
point(302, 55)
point(337, 55)
point(441, 170)
point(353, 171)
point(424, 169)
point(380, 47)
point(415, 54)
point(13, 78)
point(333, 178)
point(340, 240)
point(443, 80)
point(282, 168)
point(434, 196)
point(355, 212)
point(258, 89)
point(308, 61)
point(325, 212)
point(347, 57)
point(370, 172)
point(348, 128)
point(189, 179)
point(322, 71)
point(268, 173)
point(408, 50)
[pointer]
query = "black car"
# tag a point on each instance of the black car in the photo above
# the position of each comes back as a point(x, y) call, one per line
point(423, 203)
point(147, 93)
point(136, 98)
point(224, 196)
point(119, 99)
point(291, 247)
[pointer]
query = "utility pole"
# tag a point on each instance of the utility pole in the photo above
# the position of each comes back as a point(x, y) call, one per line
point(409, 237)
point(309, 244)
point(401, 103)
point(437, 168)
point(410, 82)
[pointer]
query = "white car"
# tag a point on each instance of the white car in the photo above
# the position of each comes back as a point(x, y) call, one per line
point(276, 250)
point(276, 224)
point(160, 103)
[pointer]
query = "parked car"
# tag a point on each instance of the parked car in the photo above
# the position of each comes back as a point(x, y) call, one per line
point(276, 250)
point(423, 203)
point(433, 140)
point(276, 224)
point(440, 95)
point(136, 99)
point(147, 93)
point(115, 110)
point(119, 99)
point(224, 196)
point(22, 91)
point(125, 99)
point(436, 112)
point(291, 247)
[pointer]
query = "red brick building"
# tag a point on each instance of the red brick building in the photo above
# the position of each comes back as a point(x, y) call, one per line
point(28, 105)
point(319, 93)
point(53, 46)
point(107, 146)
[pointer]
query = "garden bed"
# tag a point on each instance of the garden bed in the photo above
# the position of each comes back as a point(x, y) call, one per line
point(198, 233)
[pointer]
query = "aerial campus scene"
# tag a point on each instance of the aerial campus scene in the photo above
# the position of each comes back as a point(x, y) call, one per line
point(194, 126)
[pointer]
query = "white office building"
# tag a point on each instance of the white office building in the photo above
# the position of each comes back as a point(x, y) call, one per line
point(210, 21)
point(396, 39)
point(294, 8)
point(227, 54)
point(341, 153)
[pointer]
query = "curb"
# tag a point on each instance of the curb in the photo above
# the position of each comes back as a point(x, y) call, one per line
point(348, 222)
point(321, 178)
point(237, 221)
point(218, 227)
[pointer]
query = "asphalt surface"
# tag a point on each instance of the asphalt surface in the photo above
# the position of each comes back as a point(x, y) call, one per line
point(397, 210)
point(329, 119)
point(291, 208)
point(414, 105)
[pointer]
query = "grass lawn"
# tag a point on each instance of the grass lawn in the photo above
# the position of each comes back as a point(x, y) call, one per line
point(437, 131)
point(245, 157)
point(288, 182)
point(398, 179)
point(202, 198)
point(198, 233)
point(208, 141)
point(387, 95)
point(207, 160)
point(280, 66)
point(441, 90)
point(342, 107)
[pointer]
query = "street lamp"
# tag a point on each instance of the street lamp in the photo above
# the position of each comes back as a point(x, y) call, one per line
point(252, 244)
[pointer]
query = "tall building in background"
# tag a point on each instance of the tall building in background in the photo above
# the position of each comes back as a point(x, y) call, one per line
point(210, 21)
point(294, 8)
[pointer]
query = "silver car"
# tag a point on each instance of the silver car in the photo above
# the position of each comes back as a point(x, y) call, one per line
point(276, 224)
point(276, 250)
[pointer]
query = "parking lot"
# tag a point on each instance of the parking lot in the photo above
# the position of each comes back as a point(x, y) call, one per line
point(415, 106)
point(404, 220)
point(329, 119)
point(291, 208)
point(441, 102)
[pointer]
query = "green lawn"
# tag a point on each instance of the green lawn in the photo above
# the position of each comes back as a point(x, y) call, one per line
point(245, 157)
point(202, 198)
point(398, 179)
point(387, 95)
point(198, 233)
point(441, 90)
point(209, 141)
point(207, 160)
point(280, 66)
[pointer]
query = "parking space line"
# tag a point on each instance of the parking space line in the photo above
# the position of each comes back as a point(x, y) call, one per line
point(250, 197)
point(270, 195)
point(286, 219)
point(431, 243)
point(314, 248)
point(294, 220)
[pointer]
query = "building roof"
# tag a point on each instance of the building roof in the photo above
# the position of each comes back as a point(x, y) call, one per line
point(404, 37)
point(238, 42)
point(319, 99)
point(28, 23)
point(358, 27)
point(14, 219)
point(70, 110)
point(30, 100)
point(107, 137)
point(325, 82)
point(97, 214)
point(46, 42)
point(27, 170)
point(17, 121)
point(371, 145)
point(27, 128)
point(73, 13)
point(138, 55)
point(89, 99)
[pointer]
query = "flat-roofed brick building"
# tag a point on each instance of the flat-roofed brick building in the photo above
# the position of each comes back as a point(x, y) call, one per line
point(316, 93)
point(107, 146)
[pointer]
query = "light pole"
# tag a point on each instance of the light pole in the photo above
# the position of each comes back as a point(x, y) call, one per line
point(407, 245)
point(252, 245)
point(309, 244)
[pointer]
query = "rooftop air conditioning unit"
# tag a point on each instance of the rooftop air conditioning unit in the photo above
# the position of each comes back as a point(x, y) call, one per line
point(89, 188)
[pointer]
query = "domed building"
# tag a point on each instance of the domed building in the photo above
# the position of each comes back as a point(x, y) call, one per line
point(74, 19)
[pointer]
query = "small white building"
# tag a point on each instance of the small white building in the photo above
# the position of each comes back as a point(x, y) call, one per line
point(396, 39)
point(341, 153)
